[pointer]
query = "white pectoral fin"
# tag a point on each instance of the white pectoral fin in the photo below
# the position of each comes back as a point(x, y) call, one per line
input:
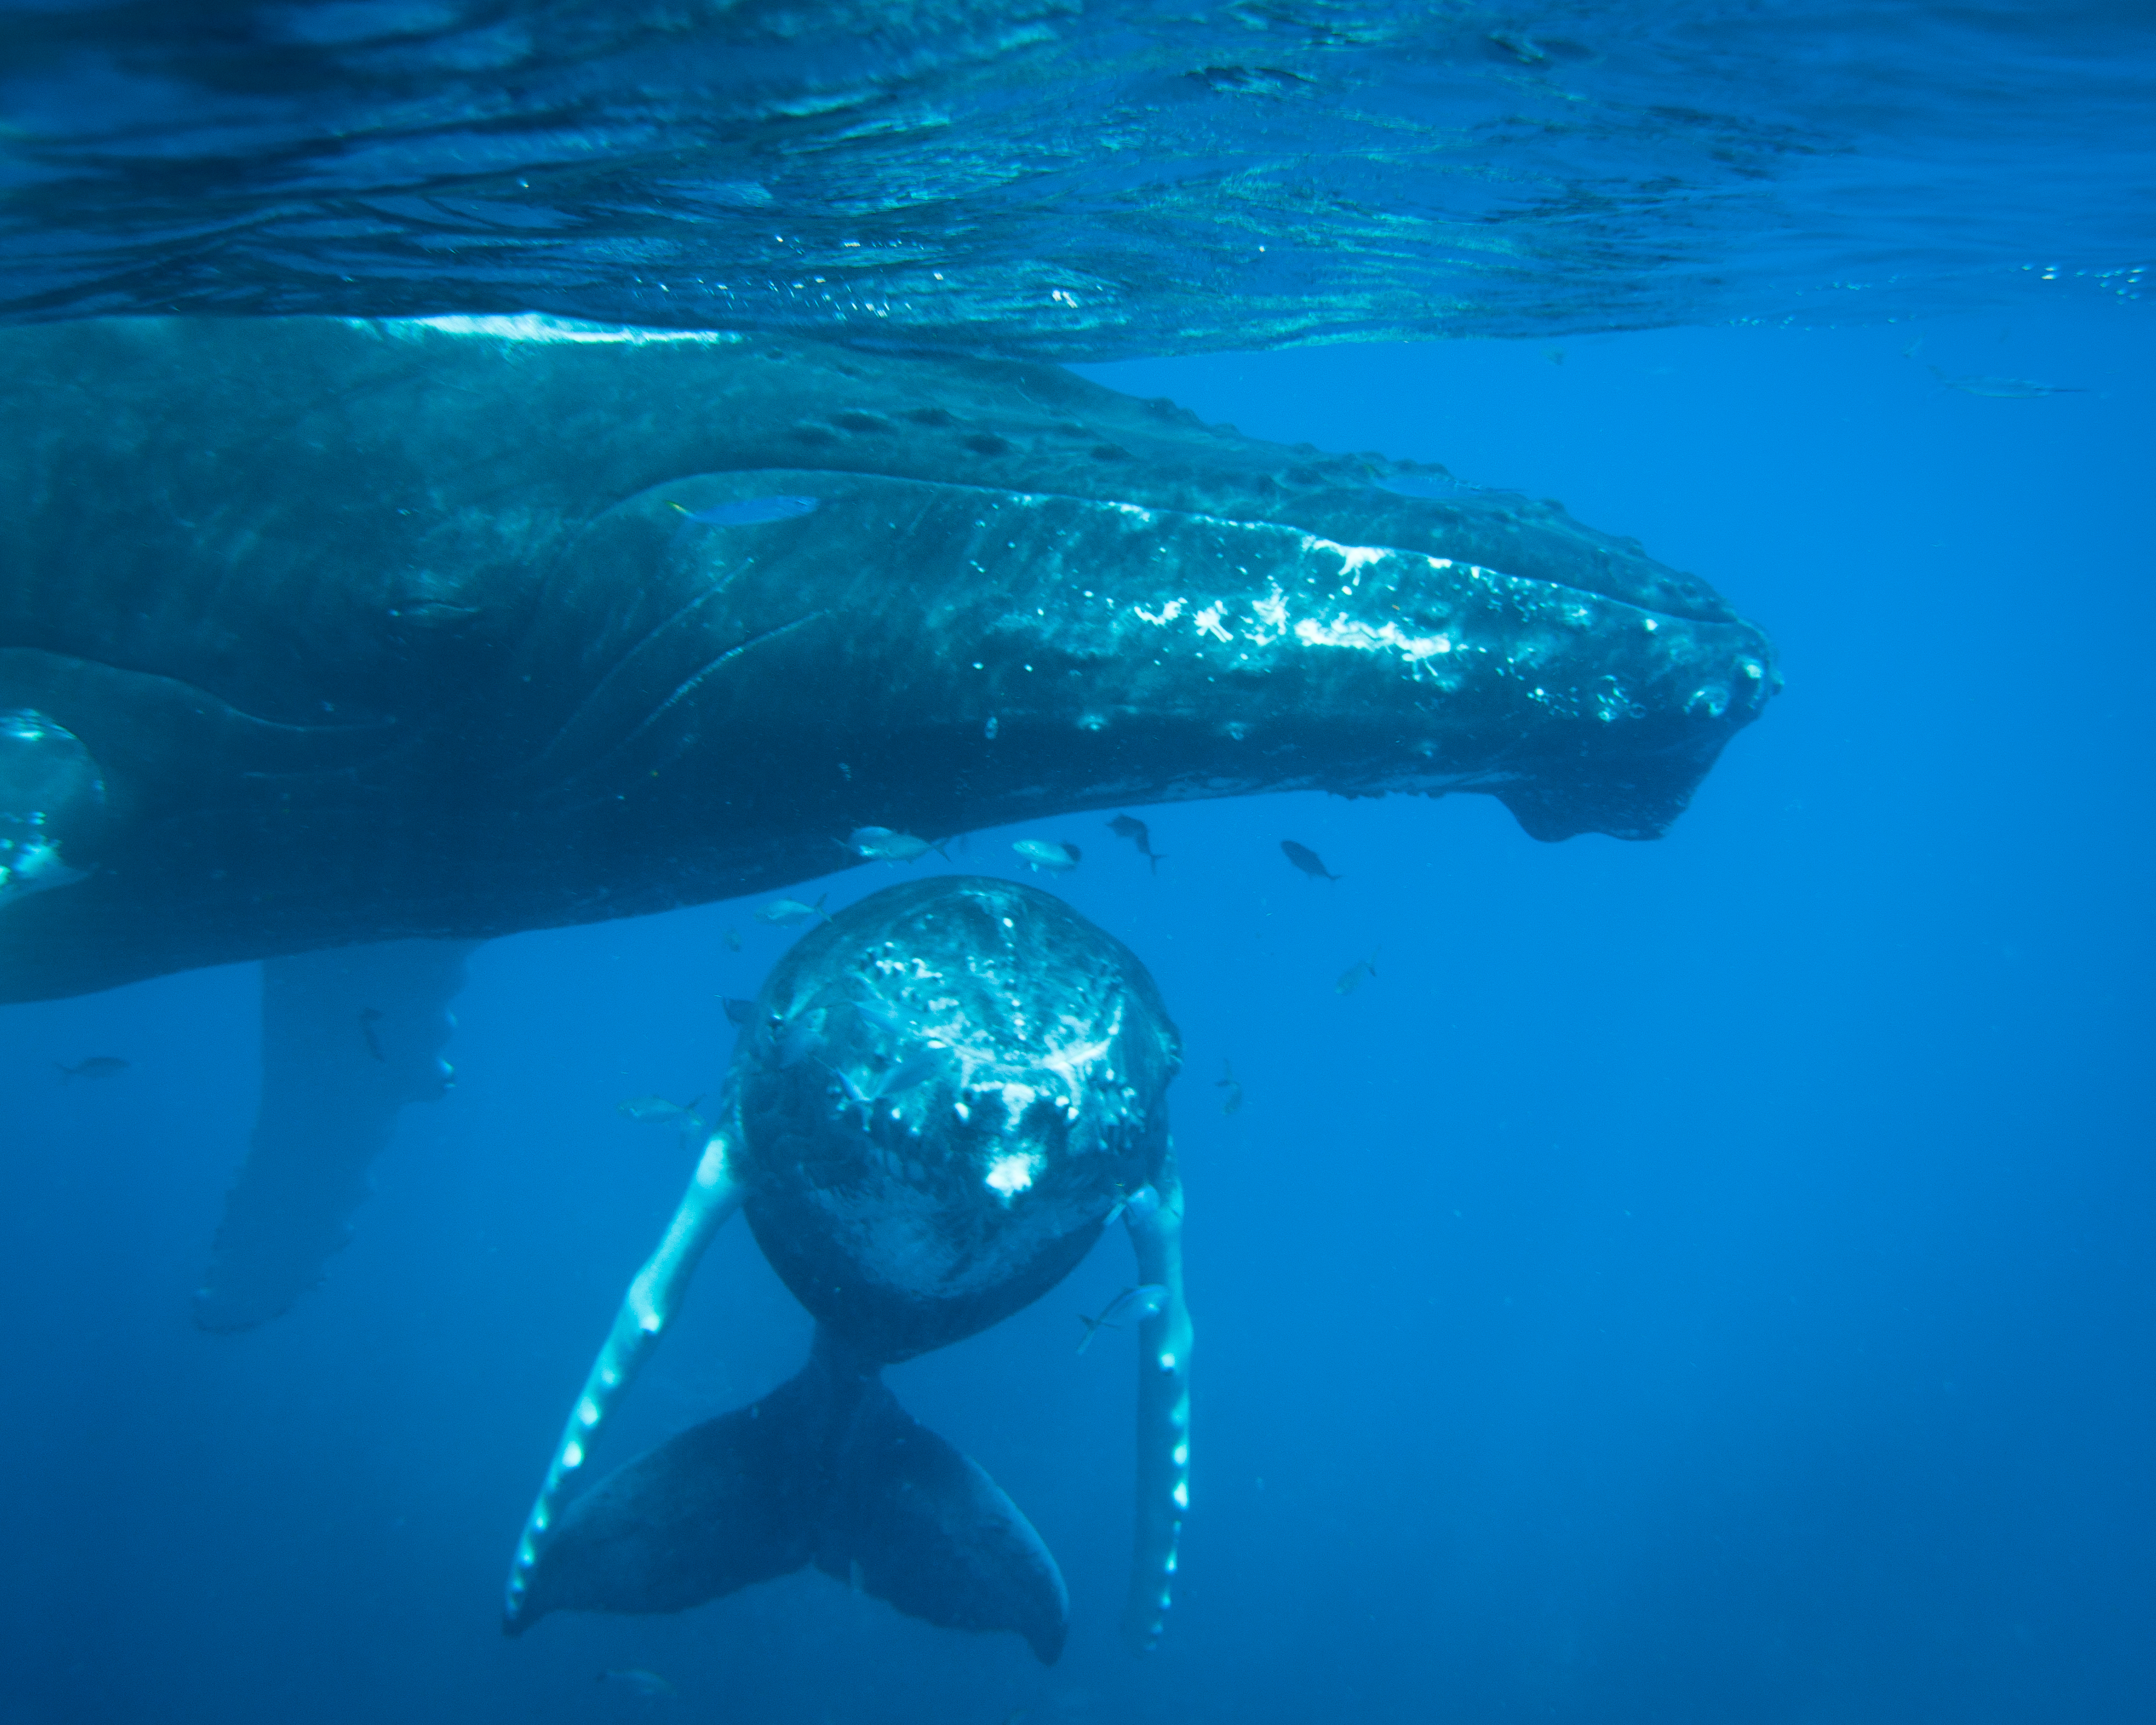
point(1163, 1435)
point(714, 1195)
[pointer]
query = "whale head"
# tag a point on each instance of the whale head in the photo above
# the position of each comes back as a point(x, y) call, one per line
point(941, 656)
point(948, 1090)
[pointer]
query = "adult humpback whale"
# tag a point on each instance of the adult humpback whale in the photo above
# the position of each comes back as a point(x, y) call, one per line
point(318, 634)
point(1019, 1058)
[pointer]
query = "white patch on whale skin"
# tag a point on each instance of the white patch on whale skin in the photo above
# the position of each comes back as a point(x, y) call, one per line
point(1352, 558)
point(1271, 613)
point(1010, 1174)
point(1344, 631)
point(534, 327)
point(1071, 1058)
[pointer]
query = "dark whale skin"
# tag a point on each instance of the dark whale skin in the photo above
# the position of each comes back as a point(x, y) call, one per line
point(951, 1086)
point(966, 1195)
point(378, 631)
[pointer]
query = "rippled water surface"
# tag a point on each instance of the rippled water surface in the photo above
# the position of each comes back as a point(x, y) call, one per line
point(1074, 181)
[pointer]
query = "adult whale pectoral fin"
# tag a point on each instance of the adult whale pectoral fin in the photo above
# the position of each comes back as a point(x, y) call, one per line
point(349, 1036)
point(1164, 1446)
point(610, 1543)
point(915, 1522)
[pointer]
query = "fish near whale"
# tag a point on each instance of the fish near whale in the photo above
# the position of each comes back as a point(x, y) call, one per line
point(963, 1196)
point(319, 634)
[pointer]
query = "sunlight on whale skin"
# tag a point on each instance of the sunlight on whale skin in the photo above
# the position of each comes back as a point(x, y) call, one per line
point(454, 629)
point(1036, 1055)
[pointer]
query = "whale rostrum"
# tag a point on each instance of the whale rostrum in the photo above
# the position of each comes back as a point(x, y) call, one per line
point(1037, 1056)
point(319, 634)
point(375, 631)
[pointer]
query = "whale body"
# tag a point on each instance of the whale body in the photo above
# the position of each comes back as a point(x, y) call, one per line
point(341, 632)
point(1020, 1058)
point(344, 646)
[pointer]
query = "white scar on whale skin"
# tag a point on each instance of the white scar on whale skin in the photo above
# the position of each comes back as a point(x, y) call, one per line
point(1164, 1341)
point(714, 1195)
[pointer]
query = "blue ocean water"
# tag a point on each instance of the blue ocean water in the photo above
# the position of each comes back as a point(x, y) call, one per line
point(1689, 1281)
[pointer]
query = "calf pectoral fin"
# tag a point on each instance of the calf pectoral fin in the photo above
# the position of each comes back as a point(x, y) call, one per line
point(349, 1036)
point(1163, 1472)
point(918, 1524)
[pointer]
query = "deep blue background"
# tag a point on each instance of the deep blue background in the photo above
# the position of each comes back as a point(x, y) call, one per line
point(1701, 1280)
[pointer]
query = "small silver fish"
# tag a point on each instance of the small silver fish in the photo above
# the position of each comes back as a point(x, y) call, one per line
point(883, 1015)
point(2005, 388)
point(801, 1037)
point(732, 938)
point(1998, 389)
point(96, 1066)
point(882, 845)
point(781, 912)
point(435, 612)
point(648, 1684)
point(1229, 1082)
point(1436, 486)
point(1356, 974)
point(916, 1068)
point(749, 512)
point(1058, 859)
point(657, 1108)
point(1140, 1302)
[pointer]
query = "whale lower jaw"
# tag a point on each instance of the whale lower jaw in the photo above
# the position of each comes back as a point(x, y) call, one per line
point(1640, 806)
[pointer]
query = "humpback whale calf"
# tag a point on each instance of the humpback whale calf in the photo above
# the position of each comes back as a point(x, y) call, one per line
point(1020, 1058)
point(345, 644)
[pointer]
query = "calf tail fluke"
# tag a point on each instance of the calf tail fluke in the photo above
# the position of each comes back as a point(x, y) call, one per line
point(827, 1469)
